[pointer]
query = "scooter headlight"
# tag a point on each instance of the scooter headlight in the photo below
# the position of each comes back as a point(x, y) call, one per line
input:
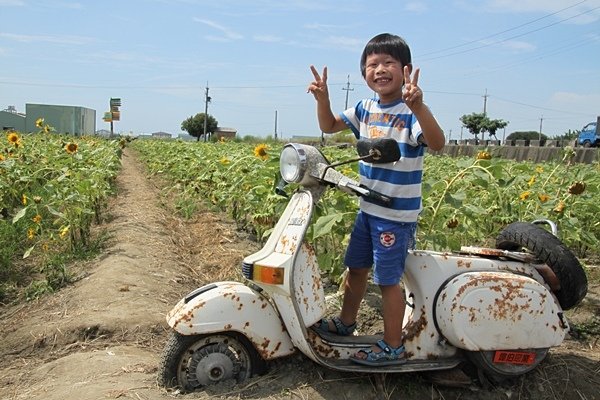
point(292, 163)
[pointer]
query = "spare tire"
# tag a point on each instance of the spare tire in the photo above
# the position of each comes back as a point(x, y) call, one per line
point(550, 250)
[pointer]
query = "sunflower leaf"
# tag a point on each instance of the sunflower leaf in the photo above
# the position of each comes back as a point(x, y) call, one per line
point(19, 215)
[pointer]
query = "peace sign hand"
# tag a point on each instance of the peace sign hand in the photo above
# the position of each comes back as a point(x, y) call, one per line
point(318, 87)
point(412, 93)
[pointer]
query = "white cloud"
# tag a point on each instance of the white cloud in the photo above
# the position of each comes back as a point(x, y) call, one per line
point(578, 13)
point(11, 3)
point(582, 103)
point(416, 7)
point(229, 34)
point(267, 38)
point(77, 40)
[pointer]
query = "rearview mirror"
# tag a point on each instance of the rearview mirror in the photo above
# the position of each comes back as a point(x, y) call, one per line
point(378, 151)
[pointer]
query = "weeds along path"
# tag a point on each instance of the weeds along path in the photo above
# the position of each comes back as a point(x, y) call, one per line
point(104, 332)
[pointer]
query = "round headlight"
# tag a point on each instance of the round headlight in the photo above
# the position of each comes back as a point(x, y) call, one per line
point(292, 163)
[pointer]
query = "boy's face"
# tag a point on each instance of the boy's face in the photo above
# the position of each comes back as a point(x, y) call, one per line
point(384, 75)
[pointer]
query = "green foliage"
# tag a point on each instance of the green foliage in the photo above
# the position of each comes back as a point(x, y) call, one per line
point(52, 188)
point(526, 135)
point(478, 123)
point(467, 201)
point(195, 125)
point(569, 135)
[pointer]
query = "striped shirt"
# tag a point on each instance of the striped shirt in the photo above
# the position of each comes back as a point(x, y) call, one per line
point(400, 180)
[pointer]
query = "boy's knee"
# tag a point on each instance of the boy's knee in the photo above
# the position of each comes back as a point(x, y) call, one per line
point(358, 272)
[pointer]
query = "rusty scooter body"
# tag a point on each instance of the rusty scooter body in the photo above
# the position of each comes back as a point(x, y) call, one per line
point(500, 309)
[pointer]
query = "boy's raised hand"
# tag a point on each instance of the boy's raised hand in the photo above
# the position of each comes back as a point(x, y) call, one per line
point(318, 87)
point(412, 93)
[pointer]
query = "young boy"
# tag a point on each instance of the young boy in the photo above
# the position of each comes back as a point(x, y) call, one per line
point(382, 235)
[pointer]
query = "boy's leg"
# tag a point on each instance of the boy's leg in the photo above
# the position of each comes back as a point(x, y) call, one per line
point(354, 291)
point(394, 305)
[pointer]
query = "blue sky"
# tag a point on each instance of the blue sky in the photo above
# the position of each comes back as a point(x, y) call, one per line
point(537, 60)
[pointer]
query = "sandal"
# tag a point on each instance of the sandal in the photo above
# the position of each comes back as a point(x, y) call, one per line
point(387, 356)
point(340, 328)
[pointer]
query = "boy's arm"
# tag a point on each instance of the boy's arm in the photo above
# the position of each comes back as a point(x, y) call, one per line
point(328, 122)
point(413, 97)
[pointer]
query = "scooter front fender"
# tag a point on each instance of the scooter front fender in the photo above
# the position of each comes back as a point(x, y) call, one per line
point(232, 306)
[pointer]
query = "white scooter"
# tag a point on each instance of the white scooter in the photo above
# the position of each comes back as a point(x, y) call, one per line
point(499, 309)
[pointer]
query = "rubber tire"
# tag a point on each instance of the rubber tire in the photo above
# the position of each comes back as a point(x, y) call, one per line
point(178, 345)
point(587, 144)
point(550, 250)
point(500, 373)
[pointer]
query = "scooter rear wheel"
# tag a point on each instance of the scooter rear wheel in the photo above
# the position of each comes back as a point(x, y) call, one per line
point(498, 369)
point(192, 362)
point(551, 251)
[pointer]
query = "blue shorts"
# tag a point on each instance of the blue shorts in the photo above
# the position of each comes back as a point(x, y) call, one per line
point(382, 243)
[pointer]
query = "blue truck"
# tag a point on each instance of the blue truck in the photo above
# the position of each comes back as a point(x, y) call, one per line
point(590, 135)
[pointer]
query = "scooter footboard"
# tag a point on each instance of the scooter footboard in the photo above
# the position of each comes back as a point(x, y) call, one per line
point(498, 310)
point(232, 306)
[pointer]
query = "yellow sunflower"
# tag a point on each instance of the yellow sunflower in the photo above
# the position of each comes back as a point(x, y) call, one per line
point(225, 161)
point(260, 151)
point(484, 155)
point(525, 195)
point(30, 233)
point(543, 197)
point(24, 200)
point(39, 122)
point(37, 219)
point(71, 148)
point(63, 232)
point(13, 138)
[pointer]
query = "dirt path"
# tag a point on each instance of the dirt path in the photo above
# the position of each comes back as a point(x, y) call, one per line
point(102, 336)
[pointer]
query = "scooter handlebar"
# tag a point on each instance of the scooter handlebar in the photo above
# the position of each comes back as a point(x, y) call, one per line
point(351, 186)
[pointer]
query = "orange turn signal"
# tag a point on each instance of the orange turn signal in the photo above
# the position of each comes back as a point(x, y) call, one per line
point(271, 275)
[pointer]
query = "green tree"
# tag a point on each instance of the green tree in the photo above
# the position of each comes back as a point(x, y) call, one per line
point(477, 123)
point(195, 125)
point(569, 135)
point(526, 135)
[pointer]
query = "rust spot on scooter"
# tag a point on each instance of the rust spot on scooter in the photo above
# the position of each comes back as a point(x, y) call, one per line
point(414, 328)
point(265, 344)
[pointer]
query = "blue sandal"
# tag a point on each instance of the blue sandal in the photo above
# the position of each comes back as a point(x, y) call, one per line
point(387, 356)
point(340, 328)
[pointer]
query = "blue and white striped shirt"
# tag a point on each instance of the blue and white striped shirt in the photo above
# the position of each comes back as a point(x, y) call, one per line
point(400, 180)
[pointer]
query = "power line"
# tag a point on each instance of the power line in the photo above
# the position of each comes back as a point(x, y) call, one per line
point(511, 37)
point(504, 31)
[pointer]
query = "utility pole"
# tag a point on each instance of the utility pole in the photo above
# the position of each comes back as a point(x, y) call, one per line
point(347, 89)
point(206, 101)
point(541, 120)
point(485, 96)
point(275, 124)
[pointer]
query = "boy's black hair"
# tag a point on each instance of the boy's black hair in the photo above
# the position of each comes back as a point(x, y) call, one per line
point(386, 43)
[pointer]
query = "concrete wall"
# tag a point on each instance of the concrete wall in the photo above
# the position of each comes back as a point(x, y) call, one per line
point(521, 153)
point(14, 121)
point(64, 119)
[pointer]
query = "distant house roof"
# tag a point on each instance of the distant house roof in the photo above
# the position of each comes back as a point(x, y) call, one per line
point(161, 134)
point(224, 129)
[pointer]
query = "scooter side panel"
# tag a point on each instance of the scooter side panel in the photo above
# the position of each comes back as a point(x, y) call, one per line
point(496, 310)
point(232, 306)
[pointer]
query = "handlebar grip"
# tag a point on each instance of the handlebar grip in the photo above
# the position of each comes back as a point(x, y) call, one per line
point(377, 197)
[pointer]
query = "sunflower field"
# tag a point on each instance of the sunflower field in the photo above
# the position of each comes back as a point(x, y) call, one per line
point(466, 201)
point(52, 189)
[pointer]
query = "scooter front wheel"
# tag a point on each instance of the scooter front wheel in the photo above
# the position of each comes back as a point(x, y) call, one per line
point(192, 362)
